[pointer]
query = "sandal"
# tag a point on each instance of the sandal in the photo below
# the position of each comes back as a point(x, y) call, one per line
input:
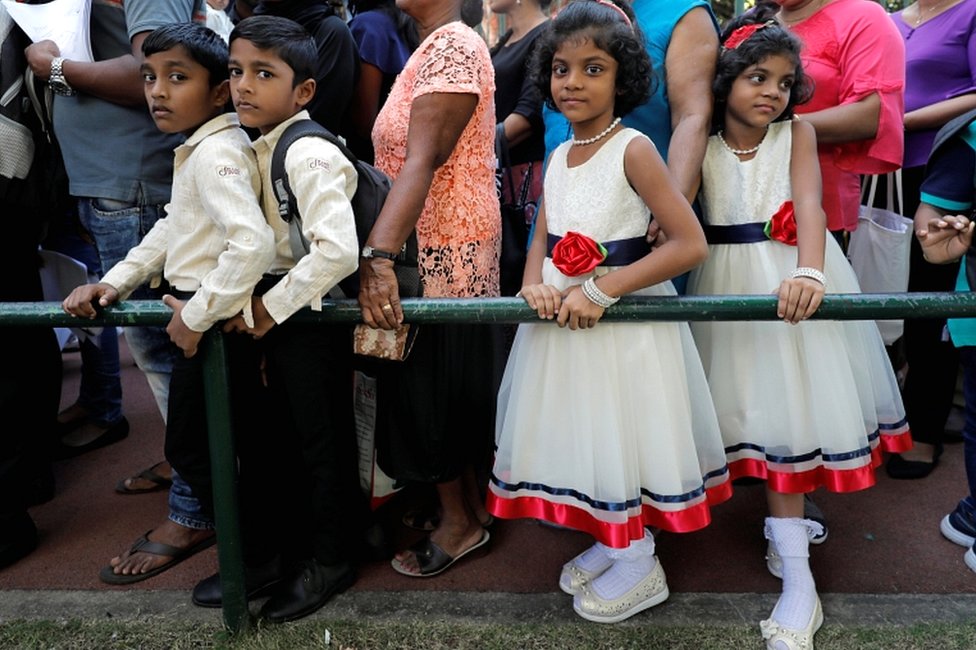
point(145, 545)
point(432, 559)
point(157, 481)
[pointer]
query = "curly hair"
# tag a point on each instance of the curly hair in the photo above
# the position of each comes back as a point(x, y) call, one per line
point(583, 20)
point(770, 40)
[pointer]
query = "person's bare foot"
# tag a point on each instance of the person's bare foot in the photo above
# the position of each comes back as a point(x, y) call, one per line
point(170, 533)
point(453, 540)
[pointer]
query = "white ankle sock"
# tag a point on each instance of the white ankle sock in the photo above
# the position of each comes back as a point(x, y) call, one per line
point(594, 559)
point(791, 537)
point(630, 566)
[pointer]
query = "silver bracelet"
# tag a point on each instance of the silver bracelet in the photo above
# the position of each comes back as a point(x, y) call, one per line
point(808, 272)
point(594, 295)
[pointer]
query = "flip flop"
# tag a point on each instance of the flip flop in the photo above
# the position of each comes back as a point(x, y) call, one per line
point(158, 482)
point(145, 545)
point(432, 559)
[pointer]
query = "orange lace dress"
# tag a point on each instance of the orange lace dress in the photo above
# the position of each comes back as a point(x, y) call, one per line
point(459, 231)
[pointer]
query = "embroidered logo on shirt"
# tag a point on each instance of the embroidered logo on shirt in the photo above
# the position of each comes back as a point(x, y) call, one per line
point(318, 163)
point(227, 170)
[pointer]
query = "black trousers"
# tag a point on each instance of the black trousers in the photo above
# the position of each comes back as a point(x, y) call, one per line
point(309, 370)
point(933, 364)
point(30, 374)
point(187, 443)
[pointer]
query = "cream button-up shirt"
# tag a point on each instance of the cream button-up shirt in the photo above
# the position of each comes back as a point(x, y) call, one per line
point(214, 240)
point(323, 182)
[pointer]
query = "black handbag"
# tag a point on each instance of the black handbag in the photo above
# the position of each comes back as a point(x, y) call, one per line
point(518, 211)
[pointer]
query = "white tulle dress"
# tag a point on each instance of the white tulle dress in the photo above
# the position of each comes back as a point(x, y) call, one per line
point(609, 429)
point(805, 405)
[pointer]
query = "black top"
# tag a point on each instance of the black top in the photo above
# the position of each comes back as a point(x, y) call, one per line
point(338, 58)
point(515, 92)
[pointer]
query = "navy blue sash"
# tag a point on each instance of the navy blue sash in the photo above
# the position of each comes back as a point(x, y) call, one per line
point(743, 233)
point(620, 252)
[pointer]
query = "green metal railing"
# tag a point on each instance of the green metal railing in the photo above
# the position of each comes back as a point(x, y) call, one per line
point(486, 311)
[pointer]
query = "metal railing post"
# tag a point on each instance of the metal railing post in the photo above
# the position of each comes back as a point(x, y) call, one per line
point(223, 464)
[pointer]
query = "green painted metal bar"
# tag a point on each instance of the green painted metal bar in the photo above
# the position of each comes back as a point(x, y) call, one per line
point(223, 464)
point(514, 310)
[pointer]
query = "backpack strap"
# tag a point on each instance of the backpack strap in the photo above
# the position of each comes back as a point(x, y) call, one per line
point(285, 197)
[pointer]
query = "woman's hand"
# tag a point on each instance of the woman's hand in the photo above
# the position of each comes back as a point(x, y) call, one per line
point(799, 298)
point(578, 311)
point(543, 298)
point(379, 294)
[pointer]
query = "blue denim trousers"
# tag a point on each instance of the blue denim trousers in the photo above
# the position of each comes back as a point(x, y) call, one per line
point(967, 355)
point(116, 227)
point(101, 386)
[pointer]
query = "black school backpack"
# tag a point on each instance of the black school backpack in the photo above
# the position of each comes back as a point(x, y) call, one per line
point(945, 134)
point(371, 193)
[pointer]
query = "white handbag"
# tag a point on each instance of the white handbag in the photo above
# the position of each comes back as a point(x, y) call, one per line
point(879, 249)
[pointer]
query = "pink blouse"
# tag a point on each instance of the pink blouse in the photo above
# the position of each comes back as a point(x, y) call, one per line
point(851, 50)
point(459, 231)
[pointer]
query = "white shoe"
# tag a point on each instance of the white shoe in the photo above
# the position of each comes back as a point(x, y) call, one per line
point(773, 633)
point(970, 558)
point(573, 577)
point(651, 591)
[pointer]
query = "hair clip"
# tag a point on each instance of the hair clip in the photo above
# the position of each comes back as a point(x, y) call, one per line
point(740, 34)
point(620, 11)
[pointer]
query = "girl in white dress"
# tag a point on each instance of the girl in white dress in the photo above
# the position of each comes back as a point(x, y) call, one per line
point(607, 429)
point(801, 404)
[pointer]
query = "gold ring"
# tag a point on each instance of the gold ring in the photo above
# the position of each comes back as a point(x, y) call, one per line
point(385, 307)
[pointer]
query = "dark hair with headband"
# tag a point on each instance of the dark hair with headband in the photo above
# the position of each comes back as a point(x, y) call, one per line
point(611, 26)
point(747, 40)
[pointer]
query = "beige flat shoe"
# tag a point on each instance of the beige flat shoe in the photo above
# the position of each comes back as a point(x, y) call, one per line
point(773, 633)
point(573, 577)
point(651, 591)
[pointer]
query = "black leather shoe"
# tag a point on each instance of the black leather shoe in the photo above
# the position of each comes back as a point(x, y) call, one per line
point(307, 590)
point(18, 537)
point(114, 433)
point(258, 581)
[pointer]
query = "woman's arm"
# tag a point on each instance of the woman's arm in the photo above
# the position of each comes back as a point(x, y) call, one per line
point(690, 68)
point(366, 100)
point(936, 115)
point(436, 123)
point(847, 122)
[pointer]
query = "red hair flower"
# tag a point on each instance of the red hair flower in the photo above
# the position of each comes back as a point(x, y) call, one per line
point(576, 254)
point(782, 227)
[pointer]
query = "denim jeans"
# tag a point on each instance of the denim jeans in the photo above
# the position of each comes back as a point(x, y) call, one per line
point(116, 227)
point(101, 385)
point(184, 508)
point(968, 357)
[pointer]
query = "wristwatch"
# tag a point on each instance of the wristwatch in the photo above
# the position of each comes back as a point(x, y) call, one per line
point(369, 253)
point(56, 81)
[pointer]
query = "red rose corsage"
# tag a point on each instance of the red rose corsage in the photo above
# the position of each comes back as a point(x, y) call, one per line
point(576, 254)
point(782, 226)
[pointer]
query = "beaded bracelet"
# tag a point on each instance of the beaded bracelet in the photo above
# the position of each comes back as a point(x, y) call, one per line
point(807, 272)
point(596, 296)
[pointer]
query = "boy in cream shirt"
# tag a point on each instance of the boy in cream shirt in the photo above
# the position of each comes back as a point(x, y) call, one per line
point(309, 367)
point(212, 248)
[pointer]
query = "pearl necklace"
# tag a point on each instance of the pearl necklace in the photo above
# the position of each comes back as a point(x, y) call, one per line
point(918, 9)
point(743, 152)
point(599, 136)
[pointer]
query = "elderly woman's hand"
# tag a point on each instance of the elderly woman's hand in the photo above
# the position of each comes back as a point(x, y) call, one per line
point(379, 294)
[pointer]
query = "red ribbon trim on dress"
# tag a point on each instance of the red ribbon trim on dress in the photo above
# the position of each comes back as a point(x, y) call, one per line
point(613, 535)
